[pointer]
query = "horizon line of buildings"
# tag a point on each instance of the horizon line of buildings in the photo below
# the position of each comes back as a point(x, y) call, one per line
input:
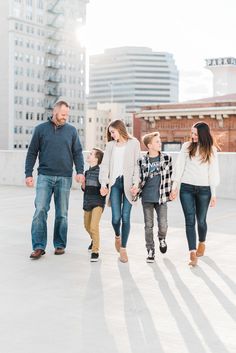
point(43, 60)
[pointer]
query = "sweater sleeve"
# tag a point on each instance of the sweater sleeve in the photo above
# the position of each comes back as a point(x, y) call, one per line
point(179, 166)
point(77, 154)
point(105, 166)
point(214, 175)
point(32, 154)
point(137, 156)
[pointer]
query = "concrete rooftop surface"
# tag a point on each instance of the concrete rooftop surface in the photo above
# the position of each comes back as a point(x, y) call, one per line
point(65, 304)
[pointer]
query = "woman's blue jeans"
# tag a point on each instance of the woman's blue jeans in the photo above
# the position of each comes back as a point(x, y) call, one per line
point(195, 202)
point(120, 208)
point(46, 186)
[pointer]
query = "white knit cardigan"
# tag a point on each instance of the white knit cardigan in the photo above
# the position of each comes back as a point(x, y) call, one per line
point(131, 168)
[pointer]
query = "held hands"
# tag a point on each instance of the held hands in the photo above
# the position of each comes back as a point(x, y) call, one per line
point(173, 194)
point(29, 181)
point(104, 191)
point(80, 178)
point(134, 190)
point(83, 184)
point(213, 201)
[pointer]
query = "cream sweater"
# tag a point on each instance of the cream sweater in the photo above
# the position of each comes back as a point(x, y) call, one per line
point(130, 167)
point(193, 171)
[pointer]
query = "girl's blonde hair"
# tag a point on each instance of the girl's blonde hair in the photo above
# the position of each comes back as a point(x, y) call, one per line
point(149, 137)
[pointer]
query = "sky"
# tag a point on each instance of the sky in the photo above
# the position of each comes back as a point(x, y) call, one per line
point(192, 30)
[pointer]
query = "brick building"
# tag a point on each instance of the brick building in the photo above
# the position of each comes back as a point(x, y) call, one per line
point(174, 121)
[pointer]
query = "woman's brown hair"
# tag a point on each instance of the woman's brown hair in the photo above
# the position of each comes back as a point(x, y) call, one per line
point(120, 126)
point(205, 142)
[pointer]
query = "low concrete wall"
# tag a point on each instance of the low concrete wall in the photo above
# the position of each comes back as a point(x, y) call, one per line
point(12, 171)
point(227, 162)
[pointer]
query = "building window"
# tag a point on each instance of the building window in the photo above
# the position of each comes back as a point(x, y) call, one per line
point(40, 4)
point(16, 12)
point(29, 15)
point(40, 19)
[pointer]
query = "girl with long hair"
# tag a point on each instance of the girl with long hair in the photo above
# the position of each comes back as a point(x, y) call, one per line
point(119, 178)
point(197, 173)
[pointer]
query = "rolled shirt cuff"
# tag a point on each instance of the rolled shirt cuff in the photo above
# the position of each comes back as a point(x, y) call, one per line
point(213, 191)
point(174, 185)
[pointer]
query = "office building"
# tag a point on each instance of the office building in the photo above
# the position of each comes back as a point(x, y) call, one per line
point(97, 121)
point(133, 76)
point(42, 60)
point(224, 75)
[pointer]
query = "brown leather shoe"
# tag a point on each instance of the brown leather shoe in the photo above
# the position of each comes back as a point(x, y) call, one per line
point(123, 255)
point(201, 249)
point(36, 254)
point(59, 251)
point(193, 259)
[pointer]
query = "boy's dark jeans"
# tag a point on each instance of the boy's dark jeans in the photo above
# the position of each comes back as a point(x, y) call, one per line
point(161, 213)
point(195, 202)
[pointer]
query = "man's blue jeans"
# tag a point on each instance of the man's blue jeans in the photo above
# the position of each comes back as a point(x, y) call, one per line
point(195, 202)
point(46, 187)
point(120, 208)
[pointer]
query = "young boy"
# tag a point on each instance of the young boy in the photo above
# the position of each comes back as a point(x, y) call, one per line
point(94, 203)
point(155, 188)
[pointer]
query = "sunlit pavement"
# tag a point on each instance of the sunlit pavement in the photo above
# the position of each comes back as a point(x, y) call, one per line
point(65, 304)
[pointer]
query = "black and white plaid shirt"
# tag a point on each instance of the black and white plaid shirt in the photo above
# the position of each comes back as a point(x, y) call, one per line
point(165, 172)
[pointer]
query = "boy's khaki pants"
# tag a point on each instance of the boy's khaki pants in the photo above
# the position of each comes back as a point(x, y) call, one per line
point(91, 224)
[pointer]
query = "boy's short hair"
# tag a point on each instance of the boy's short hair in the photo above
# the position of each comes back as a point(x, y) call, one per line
point(98, 154)
point(148, 137)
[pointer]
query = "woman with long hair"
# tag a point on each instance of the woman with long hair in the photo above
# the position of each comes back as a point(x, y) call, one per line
point(197, 173)
point(119, 177)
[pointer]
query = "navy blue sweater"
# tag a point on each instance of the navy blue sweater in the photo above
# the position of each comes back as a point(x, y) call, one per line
point(57, 149)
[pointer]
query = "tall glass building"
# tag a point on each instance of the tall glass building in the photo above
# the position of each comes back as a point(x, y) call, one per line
point(41, 60)
point(134, 76)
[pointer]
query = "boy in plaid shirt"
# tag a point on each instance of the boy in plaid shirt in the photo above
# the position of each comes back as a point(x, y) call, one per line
point(155, 188)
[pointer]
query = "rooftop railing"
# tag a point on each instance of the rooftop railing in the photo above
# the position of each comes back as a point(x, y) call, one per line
point(12, 170)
